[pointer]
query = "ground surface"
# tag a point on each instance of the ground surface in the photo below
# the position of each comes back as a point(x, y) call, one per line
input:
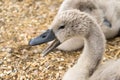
point(21, 20)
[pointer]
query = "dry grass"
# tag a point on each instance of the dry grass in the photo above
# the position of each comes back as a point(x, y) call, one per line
point(21, 20)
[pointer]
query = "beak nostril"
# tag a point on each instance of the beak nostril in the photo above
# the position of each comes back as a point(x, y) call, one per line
point(43, 36)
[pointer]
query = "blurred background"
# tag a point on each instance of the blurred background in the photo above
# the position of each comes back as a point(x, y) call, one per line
point(21, 20)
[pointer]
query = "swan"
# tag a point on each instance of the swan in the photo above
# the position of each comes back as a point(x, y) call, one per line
point(73, 23)
point(106, 13)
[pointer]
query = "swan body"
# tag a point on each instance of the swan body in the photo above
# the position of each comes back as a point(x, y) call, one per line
point(111, 10)
point(106, 12)
point(107, 71)
point(71, 24)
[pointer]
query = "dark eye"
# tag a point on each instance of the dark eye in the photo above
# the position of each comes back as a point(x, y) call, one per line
point(61, 27)
point(90, 9)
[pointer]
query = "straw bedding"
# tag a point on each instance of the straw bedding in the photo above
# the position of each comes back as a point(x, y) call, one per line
point(21, 20)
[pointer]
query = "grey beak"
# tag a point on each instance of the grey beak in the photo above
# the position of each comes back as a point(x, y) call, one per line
point(43, 38)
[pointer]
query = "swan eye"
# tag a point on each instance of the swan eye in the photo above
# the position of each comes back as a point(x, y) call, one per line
point(61, 27)
point(90, 9)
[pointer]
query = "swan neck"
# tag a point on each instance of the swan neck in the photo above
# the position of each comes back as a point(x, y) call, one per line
point(93, 51)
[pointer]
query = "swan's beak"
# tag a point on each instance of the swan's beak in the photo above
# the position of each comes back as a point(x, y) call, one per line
point(44, 38)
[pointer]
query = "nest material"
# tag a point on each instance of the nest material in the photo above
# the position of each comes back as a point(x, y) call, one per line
point(21, 20)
